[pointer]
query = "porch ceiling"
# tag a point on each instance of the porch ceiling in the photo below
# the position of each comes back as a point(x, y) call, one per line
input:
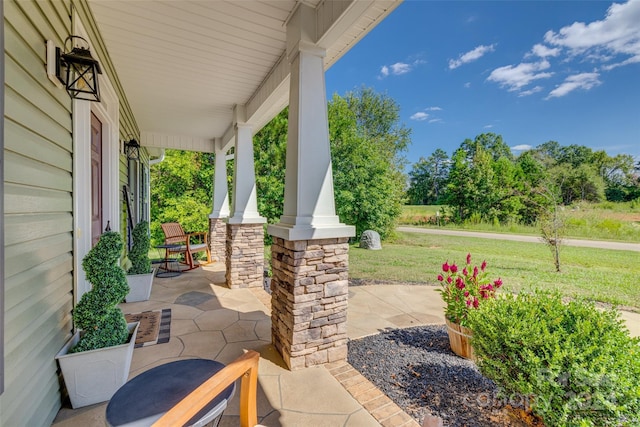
point(184, 64)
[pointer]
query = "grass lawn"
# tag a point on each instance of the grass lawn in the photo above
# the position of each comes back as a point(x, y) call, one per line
point(604, 221)
point(603, 275)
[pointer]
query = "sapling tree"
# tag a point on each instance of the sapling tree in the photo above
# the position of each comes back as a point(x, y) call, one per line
point(552, 224)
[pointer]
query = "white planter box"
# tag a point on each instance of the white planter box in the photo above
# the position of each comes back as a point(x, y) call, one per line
point(94, 376)
point(140, 286)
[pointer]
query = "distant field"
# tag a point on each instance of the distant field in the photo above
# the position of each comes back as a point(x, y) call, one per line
point(603, 221)
point(602, 275)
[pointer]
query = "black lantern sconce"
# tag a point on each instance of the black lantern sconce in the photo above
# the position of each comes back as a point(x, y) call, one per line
point(77, 70)
point(132, 149)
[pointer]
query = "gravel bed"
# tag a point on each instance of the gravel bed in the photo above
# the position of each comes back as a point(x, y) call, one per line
point(416, 368)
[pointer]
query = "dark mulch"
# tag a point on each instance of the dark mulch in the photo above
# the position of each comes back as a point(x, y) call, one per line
point(416, 368)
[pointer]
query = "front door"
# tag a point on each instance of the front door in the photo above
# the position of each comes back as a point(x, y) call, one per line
point(96, 179)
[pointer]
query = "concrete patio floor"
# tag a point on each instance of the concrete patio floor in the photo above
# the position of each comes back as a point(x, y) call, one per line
point(208, 320)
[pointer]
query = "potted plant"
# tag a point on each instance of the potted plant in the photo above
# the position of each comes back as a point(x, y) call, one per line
point(95, 362)
point(462, 291)
point(140, 275)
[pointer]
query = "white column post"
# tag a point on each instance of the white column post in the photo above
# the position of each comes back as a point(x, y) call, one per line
point(309, 207)
point(245, 202)
point(220, 189)
point(220, 212)
point(309, 284)
point(245, 232)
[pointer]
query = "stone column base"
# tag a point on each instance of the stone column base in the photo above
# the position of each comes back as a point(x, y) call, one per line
point(245, 255)
point(218, 239)
point(309, 292)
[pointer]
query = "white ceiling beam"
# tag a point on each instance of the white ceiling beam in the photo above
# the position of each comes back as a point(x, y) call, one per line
point(228, 140)
point(332, 19)
point(176, 142)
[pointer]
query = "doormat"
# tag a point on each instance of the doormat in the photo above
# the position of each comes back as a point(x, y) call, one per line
point(155, 326)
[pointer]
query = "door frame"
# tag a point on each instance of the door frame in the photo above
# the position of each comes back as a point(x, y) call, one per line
point(107, 111)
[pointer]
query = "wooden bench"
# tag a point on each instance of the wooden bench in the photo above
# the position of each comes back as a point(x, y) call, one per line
point(186, 243)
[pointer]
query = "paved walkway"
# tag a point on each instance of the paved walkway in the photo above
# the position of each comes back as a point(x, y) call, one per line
point(212, 321)
point(600, 244)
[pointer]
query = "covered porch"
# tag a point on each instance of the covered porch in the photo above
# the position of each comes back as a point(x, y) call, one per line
point(209, 320)
point(206, 76)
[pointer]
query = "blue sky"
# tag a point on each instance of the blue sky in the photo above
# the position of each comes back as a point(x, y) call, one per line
point(531, 71)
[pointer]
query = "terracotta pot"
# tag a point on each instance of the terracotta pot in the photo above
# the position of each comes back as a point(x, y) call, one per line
point(460, 340)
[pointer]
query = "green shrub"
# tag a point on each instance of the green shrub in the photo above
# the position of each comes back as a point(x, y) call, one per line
point(97, 314)
point(139, 254)
point(609, 225)
point(576, 222)
point(576, 365)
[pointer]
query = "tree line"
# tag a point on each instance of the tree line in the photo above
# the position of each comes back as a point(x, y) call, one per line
point(483, 180)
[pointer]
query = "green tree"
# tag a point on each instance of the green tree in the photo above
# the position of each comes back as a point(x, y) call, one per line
point(428, 178)
point(488, 142)
point(486, 185)
point(533, 181)
point(507, 191)
point(548, 153)
point(366, 145)
point(367, 142)
point(269, 146)
point(181, 191)
point(575, 155)
point(578, 184)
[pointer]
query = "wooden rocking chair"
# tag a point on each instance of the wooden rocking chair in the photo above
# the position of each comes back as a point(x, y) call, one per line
point(185, 243)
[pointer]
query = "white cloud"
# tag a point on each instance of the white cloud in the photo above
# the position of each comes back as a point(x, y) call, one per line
point(471, 56)
point(488, 126)
point(530, 91)
point(434, 109)
point(609, 43)
point(584, 81)
point(618, 34)
point(543, 51)
point(419, 116)
point(435, 120)
point(467, 85)
point(399, 68)
point(522, 147)
point(516, 77)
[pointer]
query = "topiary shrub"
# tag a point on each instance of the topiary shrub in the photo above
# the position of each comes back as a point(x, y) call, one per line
point(139, 254)
point(97, 314)
point(574, 364)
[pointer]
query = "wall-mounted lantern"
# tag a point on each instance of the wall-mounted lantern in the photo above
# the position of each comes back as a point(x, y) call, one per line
point(76, 69)
point(132, 149)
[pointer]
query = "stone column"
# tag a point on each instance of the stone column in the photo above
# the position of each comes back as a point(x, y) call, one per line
point(220, 212)
point(245, 229)
point(309, 300)
point(218, 238)
point(245, 264)
point(310, 251)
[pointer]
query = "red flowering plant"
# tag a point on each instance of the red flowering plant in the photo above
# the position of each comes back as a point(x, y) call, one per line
point(464, 290)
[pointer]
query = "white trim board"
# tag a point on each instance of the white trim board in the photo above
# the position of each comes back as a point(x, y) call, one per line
point(107, 111)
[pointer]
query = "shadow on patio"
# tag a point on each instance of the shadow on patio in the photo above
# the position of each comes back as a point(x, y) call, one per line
point(209, 320)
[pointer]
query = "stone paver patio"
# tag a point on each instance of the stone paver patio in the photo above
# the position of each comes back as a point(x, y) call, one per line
point(211, 321)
